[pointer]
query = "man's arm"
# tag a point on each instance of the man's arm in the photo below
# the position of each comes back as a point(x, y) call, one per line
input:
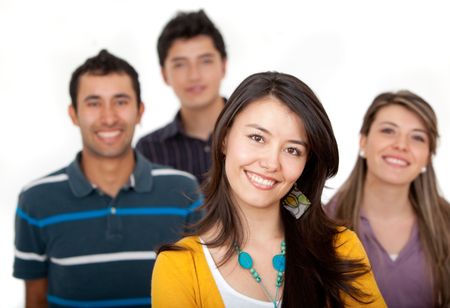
point(36, 293)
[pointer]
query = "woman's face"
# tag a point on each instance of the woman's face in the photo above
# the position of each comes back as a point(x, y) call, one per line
point(397, 146)
point(266, 150)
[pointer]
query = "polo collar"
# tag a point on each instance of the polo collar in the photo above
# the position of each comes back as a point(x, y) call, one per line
point(173, 128)
point(77, 181)
point(176, 126)
point(140, 180)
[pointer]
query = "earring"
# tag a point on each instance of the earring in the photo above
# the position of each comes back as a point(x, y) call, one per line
point(296, 202)
point(362, 154)
point(424, 169)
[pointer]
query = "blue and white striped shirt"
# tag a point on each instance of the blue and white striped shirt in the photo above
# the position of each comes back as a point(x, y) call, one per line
point(98, 251)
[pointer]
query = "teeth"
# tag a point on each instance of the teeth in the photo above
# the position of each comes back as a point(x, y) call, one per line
point(396, 161)
point(109, 134)
point(259, 180)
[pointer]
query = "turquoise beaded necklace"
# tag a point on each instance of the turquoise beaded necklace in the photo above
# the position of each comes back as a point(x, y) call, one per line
point(278, 263)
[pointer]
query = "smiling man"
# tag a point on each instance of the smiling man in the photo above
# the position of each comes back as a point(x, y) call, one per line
point(193, 61)
point(85, 234)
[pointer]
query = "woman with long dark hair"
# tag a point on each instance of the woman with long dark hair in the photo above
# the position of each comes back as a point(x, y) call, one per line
point(392, 201)
point(265, 240)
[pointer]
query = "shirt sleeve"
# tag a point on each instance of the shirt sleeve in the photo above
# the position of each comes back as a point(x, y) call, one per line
point(350, 247)
point(140, 147)
point(30, 260)
point(173, 280)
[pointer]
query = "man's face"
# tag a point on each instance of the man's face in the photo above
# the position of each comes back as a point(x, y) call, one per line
point(194, 69)
point(107, 112)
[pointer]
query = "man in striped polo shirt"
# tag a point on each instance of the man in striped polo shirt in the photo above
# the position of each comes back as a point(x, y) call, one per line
point(86, 234)
point(193, 61)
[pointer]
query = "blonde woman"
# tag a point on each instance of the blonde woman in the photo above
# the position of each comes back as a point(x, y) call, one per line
point(392, 201)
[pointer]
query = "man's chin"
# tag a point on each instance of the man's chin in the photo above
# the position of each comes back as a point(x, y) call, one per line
point(109, 154)
point(197, 104)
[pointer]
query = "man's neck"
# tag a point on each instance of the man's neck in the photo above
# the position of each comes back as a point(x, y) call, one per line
point(199, 123)
point(110, 175)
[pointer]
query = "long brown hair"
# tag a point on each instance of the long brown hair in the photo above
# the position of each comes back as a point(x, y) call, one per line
point(431, 209)
point(315, 275)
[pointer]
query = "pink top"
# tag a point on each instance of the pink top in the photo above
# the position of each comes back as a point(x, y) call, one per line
point(403, 282)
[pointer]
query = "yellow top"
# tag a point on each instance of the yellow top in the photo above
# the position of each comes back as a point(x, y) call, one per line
point(183, 279)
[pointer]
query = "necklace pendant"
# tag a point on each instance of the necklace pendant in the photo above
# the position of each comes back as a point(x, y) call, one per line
point(245, 260)
point(279, 262)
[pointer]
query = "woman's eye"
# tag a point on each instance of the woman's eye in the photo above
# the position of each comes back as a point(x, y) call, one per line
point(293, 151)
point(419, 138)
point(256, 138)
point(207, 61)
point(387, 130)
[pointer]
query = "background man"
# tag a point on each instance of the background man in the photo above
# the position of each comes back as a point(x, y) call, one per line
point(85, 233)
point(193, 61)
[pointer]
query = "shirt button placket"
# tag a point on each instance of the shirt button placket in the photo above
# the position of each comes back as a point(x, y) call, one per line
point(114, 222)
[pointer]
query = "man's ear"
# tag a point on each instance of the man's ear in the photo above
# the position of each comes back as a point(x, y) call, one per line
point(73, 115)
point(224, 67)
point(164, 76)
point(141, 110)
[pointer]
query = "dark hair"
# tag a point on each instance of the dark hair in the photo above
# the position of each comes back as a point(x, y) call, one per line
point(103, 64)
point(431, 209)
point(315, 275)
point(186, 25)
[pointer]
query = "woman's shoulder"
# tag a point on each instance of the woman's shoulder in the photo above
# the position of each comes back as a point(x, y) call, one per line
point(182, 255)
point(186, 246)
point(348, 244)
point(190, 242)
point(182, 277)
point(349, 247)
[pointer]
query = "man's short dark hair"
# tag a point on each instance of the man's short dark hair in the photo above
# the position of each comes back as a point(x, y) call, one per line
point(186, 25)
point(103, 64)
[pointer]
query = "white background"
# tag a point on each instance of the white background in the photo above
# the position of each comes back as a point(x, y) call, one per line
point(346, 51)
